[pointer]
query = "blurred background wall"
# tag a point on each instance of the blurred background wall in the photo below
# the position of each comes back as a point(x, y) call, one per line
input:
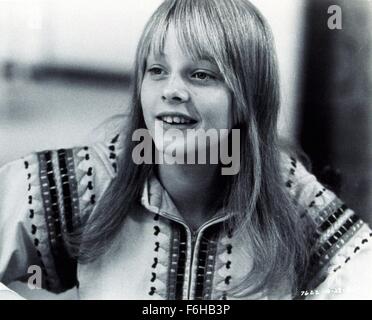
point(335, 123)
point(65, 66)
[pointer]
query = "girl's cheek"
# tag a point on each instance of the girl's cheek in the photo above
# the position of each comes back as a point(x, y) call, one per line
point(150, 90)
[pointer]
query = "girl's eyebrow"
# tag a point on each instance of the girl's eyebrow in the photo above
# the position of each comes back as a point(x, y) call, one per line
point(207, 59)
point(162, 57)
point(157, 56)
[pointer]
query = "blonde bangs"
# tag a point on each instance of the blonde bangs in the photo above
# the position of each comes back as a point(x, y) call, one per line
point(199, 33)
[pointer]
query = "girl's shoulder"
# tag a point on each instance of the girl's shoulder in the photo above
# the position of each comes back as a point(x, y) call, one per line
point(79, 173)
point(317, 201)
point(305, 189)
point(46, 195)
point(341, 242)
point(81, 165)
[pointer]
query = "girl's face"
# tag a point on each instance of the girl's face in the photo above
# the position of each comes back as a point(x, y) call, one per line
point(181, 93)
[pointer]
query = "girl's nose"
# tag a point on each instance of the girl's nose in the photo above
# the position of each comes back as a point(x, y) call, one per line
point(174, 92)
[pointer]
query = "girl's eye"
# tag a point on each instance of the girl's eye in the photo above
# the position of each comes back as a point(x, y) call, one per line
point(203, 76)
point(156, 71)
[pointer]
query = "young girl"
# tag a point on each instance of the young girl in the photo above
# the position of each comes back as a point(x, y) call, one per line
point(94, 218)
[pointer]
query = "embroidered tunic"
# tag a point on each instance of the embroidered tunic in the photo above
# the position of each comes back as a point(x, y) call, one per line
point(46, 195)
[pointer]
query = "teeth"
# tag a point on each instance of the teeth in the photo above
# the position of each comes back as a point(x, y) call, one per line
point(175, 120)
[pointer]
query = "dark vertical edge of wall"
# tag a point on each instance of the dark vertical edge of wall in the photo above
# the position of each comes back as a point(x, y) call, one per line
point(336, 101)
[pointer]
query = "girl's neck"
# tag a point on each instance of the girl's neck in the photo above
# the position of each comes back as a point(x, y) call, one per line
point(193, 189)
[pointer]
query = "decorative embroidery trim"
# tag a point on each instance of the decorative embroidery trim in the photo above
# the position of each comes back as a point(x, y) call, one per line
point(331, 227)
point(228, 277)
point(73, 188)
point(206, 263)
point(317, 195)
point(324, 254)
point(356, 249)
point(332, 219)
point(34, 228)
point(224, 283)
point(173, 262)
point(328, 211)
point(292, 172)
point(177, 262)
point(112, 152)
point(152, 291)
point(50, 198)
point(156, 258)
point(181, 267)
point(86, 166)
point(64, 265)
point(224, 274)
point(66, 200)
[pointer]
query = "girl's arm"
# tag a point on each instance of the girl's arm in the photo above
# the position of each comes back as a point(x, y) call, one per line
point(342, 242)
point(23, 235)
point(43, 198)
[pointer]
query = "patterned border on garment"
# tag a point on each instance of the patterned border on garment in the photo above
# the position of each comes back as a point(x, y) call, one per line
point(205, 264)
point(177, 263)
point(328, 211)
point(181, 267)
point(229, 248)
point(89, 173)
point(173, 263)
point(157, 231)
point(292, 172)
point(336, 224)
point(70, 199)
point(112, 152)
point(353, 249)
point(34, 229)
point(329, 249)
point(52, 200)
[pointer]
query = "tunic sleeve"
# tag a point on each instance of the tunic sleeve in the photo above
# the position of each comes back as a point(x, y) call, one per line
point(44, 198)
point(23, 235)
point(341, 256)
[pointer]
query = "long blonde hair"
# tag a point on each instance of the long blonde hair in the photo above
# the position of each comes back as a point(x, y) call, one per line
point(237, 38)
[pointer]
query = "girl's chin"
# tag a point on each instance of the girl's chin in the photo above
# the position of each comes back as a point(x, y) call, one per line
point(182, 153)
point(169, 149)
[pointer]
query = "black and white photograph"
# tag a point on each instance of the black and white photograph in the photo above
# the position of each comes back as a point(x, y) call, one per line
point(185, 150)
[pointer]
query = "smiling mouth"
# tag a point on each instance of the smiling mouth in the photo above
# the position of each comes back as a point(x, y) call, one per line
point(176, 119)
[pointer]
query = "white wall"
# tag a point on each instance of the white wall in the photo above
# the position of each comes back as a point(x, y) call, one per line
point(286, 18)
point(99, 33)
point(21, 33)
point(104, 34)
point(95, 33)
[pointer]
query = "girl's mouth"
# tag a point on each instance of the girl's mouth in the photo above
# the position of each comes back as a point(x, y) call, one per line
point(176, 119)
